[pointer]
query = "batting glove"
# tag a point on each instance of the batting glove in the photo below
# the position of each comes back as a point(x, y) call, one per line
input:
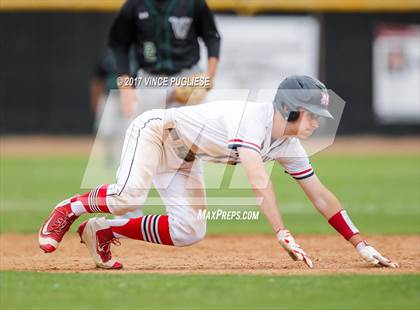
point(293, 249)
point(373, 257)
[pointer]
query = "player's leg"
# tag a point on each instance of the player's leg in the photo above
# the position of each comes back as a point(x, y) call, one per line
point(181, 226)
point(134, 213)
point(141, 156)
point(151, 98)
point(185, 200)
point(181, 186)
point(184, 197)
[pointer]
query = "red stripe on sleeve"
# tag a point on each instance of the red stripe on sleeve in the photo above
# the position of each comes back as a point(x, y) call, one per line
point(302, 172)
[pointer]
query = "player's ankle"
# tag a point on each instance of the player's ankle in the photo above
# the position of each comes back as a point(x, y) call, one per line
point(77, 208)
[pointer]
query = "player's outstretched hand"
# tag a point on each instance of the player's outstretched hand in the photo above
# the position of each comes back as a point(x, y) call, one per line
point(295, 251)
point(373, 257)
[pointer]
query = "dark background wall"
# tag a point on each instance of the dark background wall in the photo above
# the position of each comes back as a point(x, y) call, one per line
point(46, 61)
point(348, 67)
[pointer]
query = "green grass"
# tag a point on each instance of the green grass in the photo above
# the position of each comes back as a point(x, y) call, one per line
point(380, 192)
point(135, 291)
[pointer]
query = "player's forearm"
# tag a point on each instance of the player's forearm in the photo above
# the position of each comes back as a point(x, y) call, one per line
point(327, 204)
point(268, 204)
point(330, 207)
point(127, 95)
point(212, 66)
point(262, 186)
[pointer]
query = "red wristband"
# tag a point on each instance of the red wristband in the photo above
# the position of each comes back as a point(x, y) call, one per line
point(342, 223)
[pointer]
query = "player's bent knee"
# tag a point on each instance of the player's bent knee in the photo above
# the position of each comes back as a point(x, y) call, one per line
point(187, 240)
point(187, 233)
point(120, 202)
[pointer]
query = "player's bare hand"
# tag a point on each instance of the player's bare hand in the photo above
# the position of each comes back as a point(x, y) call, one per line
point(373, 257)
point(293, 249)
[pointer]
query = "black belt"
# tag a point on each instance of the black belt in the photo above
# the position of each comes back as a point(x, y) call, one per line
point(180, 148)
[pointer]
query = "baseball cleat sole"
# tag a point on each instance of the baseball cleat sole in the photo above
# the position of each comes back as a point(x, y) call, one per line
point(48, 245)
point(116, 266)
point(47, 248)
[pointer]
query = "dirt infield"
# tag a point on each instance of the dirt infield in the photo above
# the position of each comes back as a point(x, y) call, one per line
point(82, 145)
point(252, 254)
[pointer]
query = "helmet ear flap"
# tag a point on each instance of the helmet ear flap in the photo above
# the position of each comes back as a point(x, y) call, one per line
point(280, 105)
point(293, 116)
point(290, 116)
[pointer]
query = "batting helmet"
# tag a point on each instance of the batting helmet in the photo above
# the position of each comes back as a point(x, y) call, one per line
point(304, 92)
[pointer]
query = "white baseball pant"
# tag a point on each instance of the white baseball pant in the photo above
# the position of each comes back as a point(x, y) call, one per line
point(149, 158)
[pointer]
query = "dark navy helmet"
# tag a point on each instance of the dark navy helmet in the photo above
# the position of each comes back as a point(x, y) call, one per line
point(303, 92)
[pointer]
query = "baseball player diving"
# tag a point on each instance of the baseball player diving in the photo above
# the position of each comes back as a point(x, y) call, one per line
point(165, 148)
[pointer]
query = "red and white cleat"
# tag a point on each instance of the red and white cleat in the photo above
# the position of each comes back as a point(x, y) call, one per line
point(98, 236)
point(56, 226)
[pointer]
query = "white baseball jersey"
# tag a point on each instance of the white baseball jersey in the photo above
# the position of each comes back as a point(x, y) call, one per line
point(217, 129)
